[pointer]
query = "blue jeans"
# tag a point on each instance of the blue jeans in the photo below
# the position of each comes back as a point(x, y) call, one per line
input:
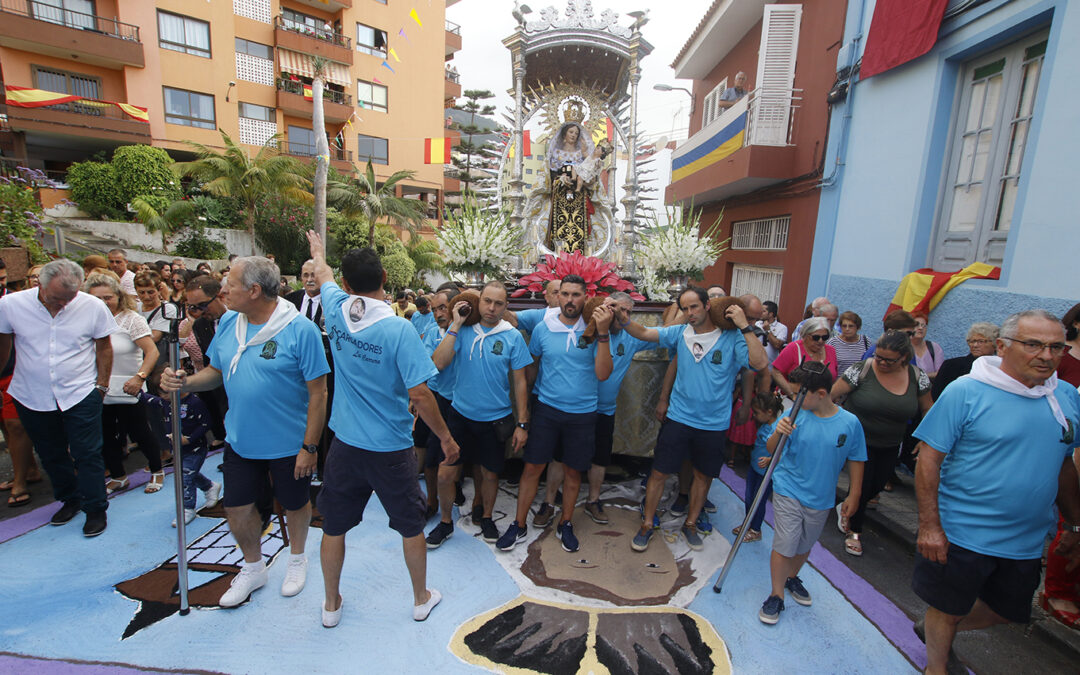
point(753, 482)
point(191, 460)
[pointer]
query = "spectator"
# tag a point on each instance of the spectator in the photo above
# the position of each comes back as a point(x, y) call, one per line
point(402, 307)
point(884, 392)
point(422, 320)
point(123, 413)
point(733, 94)
point(194, 425)
point(899, 320)
point(928, 354)
point(715, 291)
point(180, 277)
point(178, 264)
point(58, 386)
point(775, 332)
point(33, 276)
point(204, 268)
point(980, 342)
point(205, 307)
point(809, 347)
point(814, 309)
point(849, 345)
point(146, 287)
point(1069, 370)
point(766, 409)
point(93, 263)
point(118, 264)
point(164, 269)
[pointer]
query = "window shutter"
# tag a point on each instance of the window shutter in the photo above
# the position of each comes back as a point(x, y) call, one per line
point(771, 112)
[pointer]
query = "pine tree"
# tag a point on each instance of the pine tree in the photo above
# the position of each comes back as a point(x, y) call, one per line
point(472, 106)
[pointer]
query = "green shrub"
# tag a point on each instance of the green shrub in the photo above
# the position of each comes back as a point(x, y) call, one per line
point(399, 269)
point(221, 212)
point(144, 170)
point(193, 243)
point(281, 229)
point(157, 202)
point(94, 188)
point(345, 234)
point(20, 214)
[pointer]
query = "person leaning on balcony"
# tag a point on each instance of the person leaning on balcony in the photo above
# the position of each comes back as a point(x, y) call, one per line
point(733, 94)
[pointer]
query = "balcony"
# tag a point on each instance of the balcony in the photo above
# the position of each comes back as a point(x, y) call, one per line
point(41, 28)
point(337, 106)
point(453, 39)
point(314, 41)
point(339, 159)
point(326, 5)
point(746, 148)
point(452, 88)
point(88, 119)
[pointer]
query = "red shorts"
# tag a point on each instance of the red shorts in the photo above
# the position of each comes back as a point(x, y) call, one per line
point(8, 411)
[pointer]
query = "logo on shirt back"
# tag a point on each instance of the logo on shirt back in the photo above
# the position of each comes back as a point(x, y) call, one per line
point(269, 350)
point(497, 348)
point(620, 350)
point(717, 356)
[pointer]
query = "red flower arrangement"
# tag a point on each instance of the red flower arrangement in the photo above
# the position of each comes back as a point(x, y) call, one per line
point(600, 277)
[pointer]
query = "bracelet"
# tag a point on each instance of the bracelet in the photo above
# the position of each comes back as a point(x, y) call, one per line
point(603, 338)
point(451, 332)
point(624, 325)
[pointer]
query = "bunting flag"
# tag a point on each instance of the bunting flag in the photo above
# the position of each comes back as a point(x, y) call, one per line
point(437, 150)
point(526, 144)
point(376, 80)
point(923, 289)
point(387, 65)
point(610, 130)
point(901, 30)
point(25, 97)
point(402, 34)
point(415, 17)
point(394, 54)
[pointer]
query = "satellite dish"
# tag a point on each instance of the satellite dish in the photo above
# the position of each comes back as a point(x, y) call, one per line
point(661, 143)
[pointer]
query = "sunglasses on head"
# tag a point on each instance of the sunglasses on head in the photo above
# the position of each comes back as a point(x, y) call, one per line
point(818, 338)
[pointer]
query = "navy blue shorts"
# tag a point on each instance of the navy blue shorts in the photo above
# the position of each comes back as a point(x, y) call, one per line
point(605, 438)
point(243, 478)
point(677, 441)
point(566, 437)
point(352, 474)
point(477, 441)
point(1005, 585)
point(434, 455)
point(420, 433)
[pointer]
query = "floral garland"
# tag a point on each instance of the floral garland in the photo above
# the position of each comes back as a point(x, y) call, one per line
point(600, 277)
point(474, 240)
point(678, 249)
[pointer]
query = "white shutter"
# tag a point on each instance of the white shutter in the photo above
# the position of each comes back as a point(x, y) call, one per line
point(771, 112)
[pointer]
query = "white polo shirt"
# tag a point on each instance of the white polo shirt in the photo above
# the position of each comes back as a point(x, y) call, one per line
point(55, 350)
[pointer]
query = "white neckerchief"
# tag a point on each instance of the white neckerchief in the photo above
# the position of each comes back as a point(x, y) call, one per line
point(551, 320)
point(370, 311)
point(705, 340)
point(479, 335)
point(283, 314)
point(987, 369)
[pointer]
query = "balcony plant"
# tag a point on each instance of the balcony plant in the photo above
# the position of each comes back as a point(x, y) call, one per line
point(478, 242)
point(600, 277)
point(680, 250)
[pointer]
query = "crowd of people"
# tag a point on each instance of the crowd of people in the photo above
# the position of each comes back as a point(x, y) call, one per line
point(448, 381)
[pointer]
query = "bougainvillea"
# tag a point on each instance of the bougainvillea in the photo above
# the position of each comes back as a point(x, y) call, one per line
point(600, 277)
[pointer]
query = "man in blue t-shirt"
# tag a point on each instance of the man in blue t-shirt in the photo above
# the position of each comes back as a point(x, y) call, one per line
point(381, 367)
point(700, 406)
point(486, 355)
point(273, 365)
point(564, 414)
point(997, 449)
point(422, 319)
point(442, 387)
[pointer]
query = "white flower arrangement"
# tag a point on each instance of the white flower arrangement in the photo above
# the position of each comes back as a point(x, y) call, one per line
point(653, 286)
point(475, 240)
point(678, 249)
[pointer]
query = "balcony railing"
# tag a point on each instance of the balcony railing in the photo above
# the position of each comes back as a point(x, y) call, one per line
point(90, 108)
point(452, 27)
point(293, 87)
point(771, 116)
point(454, 77)
point(307, 150)
point(323, 34)
point(71, 19)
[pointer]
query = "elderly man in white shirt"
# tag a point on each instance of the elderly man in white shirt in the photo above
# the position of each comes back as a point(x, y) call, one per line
point(60, 380)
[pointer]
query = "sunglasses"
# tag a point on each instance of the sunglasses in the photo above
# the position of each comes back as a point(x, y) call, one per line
point(818, 338)
point(201, 307)
point(886, 362)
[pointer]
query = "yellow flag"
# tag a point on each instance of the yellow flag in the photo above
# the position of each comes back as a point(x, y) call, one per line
point(394, 54)
point(415, 17)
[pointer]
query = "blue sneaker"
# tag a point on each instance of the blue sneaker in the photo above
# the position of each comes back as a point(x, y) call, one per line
point(641, 540)
point(693, 539)
point(770, 610)
point(703, 524)
point(678, 507)
point(798, 592)
point(510, 538)
point(566, 536)
point(655, 518)
point(708, 507)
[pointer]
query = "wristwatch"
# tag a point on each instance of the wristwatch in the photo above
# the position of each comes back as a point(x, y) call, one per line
point(312, 448)
point(103, 388)
point(523, 425)
point(746, 329)
point(141, 375)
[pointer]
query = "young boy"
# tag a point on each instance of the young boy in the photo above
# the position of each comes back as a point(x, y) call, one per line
point(822, 439)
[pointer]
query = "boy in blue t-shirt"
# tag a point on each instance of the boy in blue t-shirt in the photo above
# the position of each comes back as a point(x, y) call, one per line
point(823, 438)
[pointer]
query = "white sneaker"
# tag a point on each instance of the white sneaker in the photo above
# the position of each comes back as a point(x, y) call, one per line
point(331, 619)
point(213, 495)
point(295, 577)
point(248, 580)
point(189, 515)
point(421, 612)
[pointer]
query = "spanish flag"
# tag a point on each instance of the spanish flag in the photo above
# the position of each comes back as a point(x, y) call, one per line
point(307, 93)
point(526, 144)
point(437, 150)
point(923, 289)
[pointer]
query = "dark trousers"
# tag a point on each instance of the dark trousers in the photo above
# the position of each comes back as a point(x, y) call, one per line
point(880, 461)
point(119, 420)
point(69, 445)
point(753, 482)
point(191, 462)
point(217, 404)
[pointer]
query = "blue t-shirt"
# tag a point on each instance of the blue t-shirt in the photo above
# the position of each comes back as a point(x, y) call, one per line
point(422, 322)
point(482, 392)
point(814, 455)
point(701, 396)
point(567, 379)
point(760, 450)
point(623, 346)
point(1004, 452)
point(529, 318)
point(374, 368)
point(443, 383)
point(268, 394)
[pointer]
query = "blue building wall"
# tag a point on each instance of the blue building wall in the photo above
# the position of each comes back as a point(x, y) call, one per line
point(886, 163)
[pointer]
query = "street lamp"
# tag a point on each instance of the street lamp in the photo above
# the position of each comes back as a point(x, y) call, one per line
point(668, 87)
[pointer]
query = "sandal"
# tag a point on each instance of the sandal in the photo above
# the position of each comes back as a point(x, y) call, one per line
point(157, 481)
point(20, 499)
point(752, 535)
point(114, 485)
point(852, 545)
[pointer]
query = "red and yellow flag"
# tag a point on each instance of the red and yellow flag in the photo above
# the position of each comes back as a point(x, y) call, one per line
point(307, 93)
point(437, 150)
point(923, 289)
point(25, 97)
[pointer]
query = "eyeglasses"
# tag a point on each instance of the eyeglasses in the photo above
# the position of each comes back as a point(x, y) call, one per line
point(818, 338)
point(201, 307)
point(886, 362)
point(1035, 347)
point(979, 341)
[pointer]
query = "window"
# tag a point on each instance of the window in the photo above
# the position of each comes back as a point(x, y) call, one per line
point(763, 282)
point(986, 156)
point(71, 13)
point(370, 40)
point(301, 141)
point(76, 84)
point(258, 124)
point(763, 234)
point(189, 108)
point(183, 34)
point(710, 110)
point(257, 112)
point(299, 21)
point(255, 49)
point(373, 148)
point(371, 96)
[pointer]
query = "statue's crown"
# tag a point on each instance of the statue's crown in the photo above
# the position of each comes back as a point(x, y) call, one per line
point(574, 112)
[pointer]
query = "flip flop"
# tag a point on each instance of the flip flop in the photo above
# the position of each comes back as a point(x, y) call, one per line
point(7, 485)
point(21, 499)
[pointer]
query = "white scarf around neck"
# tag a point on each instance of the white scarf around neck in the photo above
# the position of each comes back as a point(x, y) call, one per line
point(987, 369)
point(480, 335)
point(283, 314)
point(705, 340)
point(551, 320)
point(369, 312)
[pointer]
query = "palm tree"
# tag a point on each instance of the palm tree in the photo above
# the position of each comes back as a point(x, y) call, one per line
point(322, 147)
point(235, 173)
point(175, 216)
point(364, 197)
point(425, 254)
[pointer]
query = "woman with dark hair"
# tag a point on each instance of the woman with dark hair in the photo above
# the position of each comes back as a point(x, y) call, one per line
point(179, 281)
point(884, 392)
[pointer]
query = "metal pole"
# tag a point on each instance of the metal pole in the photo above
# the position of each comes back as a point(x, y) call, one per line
point(717, 587)
point(178, 472)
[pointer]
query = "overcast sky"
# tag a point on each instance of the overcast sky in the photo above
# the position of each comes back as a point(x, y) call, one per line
point(484, 63)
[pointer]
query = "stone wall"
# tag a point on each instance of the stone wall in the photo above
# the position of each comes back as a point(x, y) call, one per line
point(135, 235)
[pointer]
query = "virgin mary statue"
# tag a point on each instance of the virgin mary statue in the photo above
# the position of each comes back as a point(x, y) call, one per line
point(568, 226)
